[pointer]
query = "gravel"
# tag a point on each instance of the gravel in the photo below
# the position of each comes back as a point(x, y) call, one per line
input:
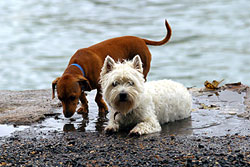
point(99, 149)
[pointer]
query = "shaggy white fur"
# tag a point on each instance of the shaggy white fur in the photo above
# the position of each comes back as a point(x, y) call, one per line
point(143, 106)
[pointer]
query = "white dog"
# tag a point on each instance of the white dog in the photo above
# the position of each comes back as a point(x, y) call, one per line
point(142, 106)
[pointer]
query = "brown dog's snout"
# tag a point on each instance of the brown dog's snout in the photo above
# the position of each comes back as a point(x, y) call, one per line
point(68, 109)
point(68, 114)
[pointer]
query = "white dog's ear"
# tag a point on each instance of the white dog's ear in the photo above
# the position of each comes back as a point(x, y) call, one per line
point(137, 63)
point(108, 65)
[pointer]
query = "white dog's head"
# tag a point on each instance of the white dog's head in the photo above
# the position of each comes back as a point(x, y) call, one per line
point(122, 83)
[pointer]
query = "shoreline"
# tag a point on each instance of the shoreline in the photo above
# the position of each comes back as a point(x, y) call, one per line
point(185, 143)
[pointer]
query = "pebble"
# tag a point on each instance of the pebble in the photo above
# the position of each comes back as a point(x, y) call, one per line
point(98, 149)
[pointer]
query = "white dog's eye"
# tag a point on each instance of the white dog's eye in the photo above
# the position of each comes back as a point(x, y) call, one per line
point(131, 83)
point(114, 84)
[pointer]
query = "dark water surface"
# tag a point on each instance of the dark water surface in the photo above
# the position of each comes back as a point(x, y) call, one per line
point(210, 39)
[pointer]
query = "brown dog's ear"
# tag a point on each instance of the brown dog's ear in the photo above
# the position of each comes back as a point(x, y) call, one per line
point(107, 65)
point(54, 86)
point(84, 83)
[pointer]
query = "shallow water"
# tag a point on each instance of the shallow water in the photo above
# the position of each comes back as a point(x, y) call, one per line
point(213, 114)
point(210, 38)
point(7, 130)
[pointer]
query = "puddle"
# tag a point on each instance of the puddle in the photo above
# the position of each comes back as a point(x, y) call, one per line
point(214, 114)
point(6, 130)
point(218, 113)
point(76, 123)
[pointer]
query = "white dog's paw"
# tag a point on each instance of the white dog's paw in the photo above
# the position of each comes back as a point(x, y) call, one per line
point(112, 128)
point(137, 131)
point(145, 128)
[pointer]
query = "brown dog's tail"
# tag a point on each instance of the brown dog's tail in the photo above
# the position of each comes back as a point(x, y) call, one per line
point(165, 40)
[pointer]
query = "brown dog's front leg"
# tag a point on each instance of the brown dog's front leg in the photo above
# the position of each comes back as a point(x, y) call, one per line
point(84, 109)
point(100, 102)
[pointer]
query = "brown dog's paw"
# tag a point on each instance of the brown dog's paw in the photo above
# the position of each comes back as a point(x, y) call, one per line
point(82, 110)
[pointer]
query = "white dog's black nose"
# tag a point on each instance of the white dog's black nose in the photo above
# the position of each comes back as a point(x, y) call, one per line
point(123, 96)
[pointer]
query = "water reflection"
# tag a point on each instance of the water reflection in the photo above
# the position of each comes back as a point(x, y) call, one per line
point(82, 124)
point(69, 128)
point(100, 124)
point(79, 127)
point(181, 127)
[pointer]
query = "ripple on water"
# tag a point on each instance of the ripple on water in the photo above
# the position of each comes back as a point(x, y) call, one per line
point(38, 39)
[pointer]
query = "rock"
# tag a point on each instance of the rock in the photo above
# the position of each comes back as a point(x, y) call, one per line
point(25, 107)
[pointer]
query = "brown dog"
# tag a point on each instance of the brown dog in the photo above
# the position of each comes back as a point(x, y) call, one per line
point(83, 71)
